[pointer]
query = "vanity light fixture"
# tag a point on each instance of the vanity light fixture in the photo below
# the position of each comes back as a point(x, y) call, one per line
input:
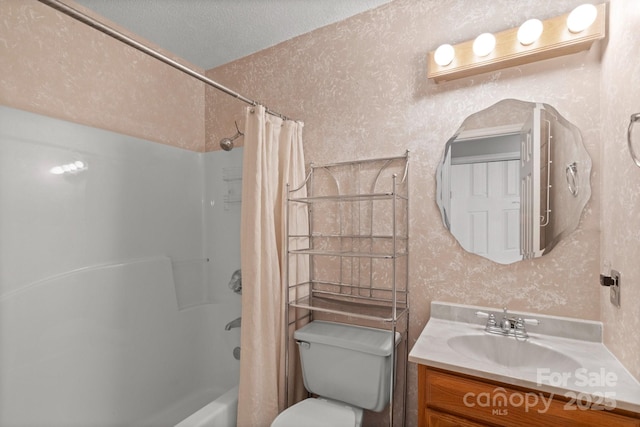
point(444, 54)
point(484, 44)
point(530, 31)
point(534, 41)
point(581, 18)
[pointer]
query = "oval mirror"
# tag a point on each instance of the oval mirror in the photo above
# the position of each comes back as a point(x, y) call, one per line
point(513, 181)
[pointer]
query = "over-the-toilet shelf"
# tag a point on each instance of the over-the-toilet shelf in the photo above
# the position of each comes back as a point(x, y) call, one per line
point(351, 265)
point(357, 245)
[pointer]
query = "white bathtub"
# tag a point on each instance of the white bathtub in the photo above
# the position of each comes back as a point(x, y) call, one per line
point(106, 346)
point(222, 412)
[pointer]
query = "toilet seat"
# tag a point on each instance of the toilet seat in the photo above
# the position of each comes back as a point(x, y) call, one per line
point(319, 413)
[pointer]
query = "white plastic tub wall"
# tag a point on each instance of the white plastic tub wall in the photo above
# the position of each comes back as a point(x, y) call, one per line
point(112, 306)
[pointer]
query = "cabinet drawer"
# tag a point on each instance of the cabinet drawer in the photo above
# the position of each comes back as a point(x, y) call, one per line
point(501, 405)
point(440, 419)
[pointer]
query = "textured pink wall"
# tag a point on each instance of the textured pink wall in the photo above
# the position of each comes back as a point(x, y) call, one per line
point(56, 66)
point(360, 86)
point(620, 241)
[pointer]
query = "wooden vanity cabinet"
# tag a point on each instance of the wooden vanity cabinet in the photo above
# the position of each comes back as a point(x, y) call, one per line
point(448, 399)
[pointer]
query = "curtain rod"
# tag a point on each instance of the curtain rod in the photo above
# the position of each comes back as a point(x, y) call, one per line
point(86, 19)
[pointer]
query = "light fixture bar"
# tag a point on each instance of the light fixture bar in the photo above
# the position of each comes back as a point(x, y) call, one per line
point(556, 40)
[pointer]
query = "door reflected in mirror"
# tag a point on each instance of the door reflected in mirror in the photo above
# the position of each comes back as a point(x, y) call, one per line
point(513, 181)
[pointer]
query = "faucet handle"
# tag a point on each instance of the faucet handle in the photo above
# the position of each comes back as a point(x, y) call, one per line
point(491, 321)
point(491, 318)
point(520, 322)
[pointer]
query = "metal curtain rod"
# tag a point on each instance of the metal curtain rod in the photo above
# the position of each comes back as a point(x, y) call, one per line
point(86, 19)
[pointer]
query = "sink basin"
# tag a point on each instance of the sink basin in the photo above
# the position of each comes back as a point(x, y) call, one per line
point(508, 352)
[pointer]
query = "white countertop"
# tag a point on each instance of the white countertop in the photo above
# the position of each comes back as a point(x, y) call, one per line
point(599, 376)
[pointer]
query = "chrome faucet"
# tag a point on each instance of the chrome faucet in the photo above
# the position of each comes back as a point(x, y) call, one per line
point(235, 323)
point(507, 325)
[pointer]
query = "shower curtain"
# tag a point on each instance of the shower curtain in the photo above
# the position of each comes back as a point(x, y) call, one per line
point(272, 158)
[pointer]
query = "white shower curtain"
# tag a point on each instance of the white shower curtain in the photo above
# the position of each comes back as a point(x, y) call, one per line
point(272, 158)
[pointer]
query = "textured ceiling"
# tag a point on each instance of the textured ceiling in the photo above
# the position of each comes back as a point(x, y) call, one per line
point(209, 33)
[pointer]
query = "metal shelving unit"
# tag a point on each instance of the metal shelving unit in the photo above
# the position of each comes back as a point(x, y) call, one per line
point(352, 265)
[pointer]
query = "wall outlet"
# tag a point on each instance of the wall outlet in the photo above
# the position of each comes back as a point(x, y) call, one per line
point(614, 289)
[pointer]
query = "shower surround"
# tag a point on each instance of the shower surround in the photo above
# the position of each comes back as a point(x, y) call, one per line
point(114, 271)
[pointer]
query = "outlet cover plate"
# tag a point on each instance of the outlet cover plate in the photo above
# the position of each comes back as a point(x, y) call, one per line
point(614, 289)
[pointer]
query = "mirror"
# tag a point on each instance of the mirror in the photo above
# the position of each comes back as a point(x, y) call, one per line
point(513, 181)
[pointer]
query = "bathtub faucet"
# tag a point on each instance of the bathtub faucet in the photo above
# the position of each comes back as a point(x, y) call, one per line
point(233, 324)
point(236, 282)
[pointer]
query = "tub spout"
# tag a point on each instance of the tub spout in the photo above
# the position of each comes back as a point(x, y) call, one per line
point(233, 324)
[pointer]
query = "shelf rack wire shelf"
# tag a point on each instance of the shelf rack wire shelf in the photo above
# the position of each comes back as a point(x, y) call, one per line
point(348, 262)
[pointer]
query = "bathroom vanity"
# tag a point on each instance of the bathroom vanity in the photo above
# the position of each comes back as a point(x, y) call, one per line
point(442, 396)
point(560, 374)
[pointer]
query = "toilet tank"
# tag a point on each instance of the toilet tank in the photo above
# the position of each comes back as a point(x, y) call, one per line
point(352, 364)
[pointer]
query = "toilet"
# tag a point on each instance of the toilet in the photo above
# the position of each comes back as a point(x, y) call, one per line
point(348, 367)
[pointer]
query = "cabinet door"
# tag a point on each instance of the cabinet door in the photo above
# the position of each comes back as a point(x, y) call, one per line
point(439, 419)
point(501, 405)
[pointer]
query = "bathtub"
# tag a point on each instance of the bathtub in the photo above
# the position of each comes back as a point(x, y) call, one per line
point(222, 412)
point(123, 357)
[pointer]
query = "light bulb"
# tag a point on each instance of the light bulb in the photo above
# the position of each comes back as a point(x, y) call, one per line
point(530, 31)
point(444, 55)
point(484, 44)
point(581, 18)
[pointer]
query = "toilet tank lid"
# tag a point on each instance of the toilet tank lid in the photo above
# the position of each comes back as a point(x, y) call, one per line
point(358, 338)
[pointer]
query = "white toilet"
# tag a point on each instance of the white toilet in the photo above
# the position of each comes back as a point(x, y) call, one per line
point(348, 367)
